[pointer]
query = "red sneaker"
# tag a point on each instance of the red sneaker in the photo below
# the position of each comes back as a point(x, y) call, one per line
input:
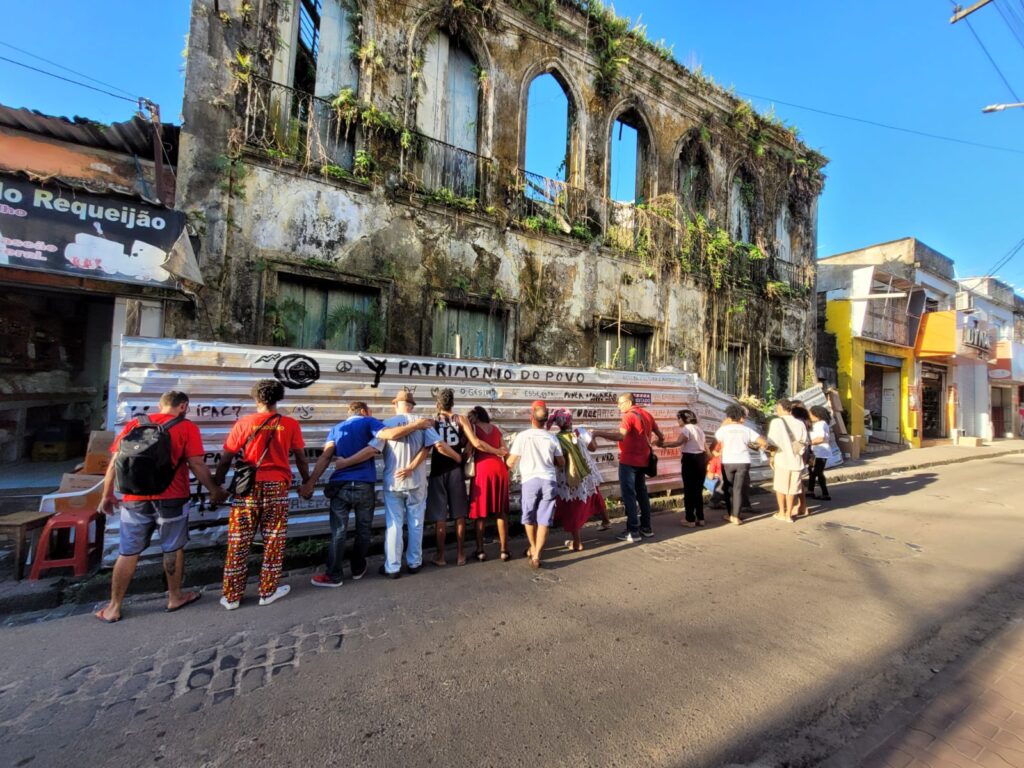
point(323, 580)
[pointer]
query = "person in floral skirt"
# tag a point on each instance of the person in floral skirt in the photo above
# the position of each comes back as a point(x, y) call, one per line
point(579, 493)
point(264, 439)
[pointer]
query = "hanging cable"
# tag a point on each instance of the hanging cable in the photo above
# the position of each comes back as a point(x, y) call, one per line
point(68, 80)
point(66, 69)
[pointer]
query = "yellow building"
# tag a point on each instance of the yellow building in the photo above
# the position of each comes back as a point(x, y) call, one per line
point(874, 317)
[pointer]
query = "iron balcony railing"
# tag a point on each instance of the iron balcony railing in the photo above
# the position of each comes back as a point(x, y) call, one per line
point(544, 203)
point(450, 174)
point(288, 124)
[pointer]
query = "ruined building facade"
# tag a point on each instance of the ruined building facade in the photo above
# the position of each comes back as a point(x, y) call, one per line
point(356, 178)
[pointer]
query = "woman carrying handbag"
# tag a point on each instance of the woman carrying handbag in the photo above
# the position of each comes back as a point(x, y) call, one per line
point(262, 442)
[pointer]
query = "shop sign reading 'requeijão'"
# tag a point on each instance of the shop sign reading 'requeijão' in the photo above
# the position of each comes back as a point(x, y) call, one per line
point(56, 229)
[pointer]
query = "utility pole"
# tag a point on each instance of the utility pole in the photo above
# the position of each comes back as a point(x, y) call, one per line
point(959, 13)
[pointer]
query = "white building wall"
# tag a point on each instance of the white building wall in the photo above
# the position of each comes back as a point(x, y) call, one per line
point(973, 418)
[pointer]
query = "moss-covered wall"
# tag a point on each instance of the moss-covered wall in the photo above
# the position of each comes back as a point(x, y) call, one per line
point(258, 213)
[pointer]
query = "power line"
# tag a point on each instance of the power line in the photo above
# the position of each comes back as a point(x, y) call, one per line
point(1013, 24)
point(993, 61)
point(1002, 262)
point(68, 80)
point(884, 125)
point(66, 69)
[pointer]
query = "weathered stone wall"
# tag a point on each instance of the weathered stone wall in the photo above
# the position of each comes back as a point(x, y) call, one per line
point(261, 215)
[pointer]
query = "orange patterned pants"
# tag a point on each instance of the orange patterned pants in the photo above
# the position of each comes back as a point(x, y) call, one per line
point(265, 508)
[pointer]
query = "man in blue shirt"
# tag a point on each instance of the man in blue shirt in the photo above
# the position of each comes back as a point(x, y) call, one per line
point(351, 485)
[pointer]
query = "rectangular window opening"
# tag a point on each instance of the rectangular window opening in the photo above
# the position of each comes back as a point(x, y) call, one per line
point(628, 351)
point(469, 332)
point(311, 314)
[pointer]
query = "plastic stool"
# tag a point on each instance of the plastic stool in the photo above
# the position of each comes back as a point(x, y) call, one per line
point(77, 524)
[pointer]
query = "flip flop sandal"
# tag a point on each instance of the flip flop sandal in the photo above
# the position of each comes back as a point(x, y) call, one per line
point(505, 555)
point(192, 598)
point(99, 615)
point(604, 527)
point(480, 555)
point(534, 563)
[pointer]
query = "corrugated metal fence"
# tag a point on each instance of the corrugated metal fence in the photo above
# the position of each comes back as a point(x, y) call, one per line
point(320, 385)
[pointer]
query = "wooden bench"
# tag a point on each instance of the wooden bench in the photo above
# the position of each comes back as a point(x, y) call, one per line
point(19, 525)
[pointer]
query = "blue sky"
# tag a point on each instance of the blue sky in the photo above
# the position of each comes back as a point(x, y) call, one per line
point(900, 63)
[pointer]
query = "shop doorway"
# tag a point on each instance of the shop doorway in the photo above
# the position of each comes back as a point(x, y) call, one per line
point(1002, 411)
point(54, 371)
point(933, 386)
point(882, 403)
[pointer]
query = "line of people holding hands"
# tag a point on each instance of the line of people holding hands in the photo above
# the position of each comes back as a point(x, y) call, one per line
point(466, 477)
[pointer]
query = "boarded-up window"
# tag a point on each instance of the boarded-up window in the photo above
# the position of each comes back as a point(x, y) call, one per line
point(310, 315)
point(783, 239)
point(472, 332)
point(730, 370)
point(741, 203)
point(628, 351)
point(315, 63)
point(695, 179)
point(777, 371)
point(449, 112)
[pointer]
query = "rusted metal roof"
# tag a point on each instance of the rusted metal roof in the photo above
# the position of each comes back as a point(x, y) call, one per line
point(132, 137)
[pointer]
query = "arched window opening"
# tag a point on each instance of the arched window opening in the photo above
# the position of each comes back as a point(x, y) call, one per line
point(627, 145)
point(742, 195)
point(448, 114)
point(627, 185)
point(695, 179)
point(547, 129)
point(546, 175)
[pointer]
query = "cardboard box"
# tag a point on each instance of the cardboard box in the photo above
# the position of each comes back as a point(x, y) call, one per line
point(86, 497)
point(97, 454)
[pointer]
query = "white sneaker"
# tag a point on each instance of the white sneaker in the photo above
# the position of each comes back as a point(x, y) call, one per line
point(283, 590)
point(228, 605)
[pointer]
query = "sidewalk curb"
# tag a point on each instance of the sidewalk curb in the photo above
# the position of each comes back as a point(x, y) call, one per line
point(868, 473)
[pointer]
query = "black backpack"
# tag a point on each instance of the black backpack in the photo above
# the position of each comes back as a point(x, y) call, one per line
point(143, 463)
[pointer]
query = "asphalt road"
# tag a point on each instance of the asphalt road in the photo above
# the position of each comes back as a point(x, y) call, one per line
point(767, 644)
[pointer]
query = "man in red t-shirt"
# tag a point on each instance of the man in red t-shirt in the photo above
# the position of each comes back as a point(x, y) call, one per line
point(168, 512)
point(634, 439)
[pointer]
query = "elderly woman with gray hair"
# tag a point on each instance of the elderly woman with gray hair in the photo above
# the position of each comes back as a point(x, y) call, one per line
point(579, 481)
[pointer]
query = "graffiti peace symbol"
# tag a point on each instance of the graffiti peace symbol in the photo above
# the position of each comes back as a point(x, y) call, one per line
point(297, 371)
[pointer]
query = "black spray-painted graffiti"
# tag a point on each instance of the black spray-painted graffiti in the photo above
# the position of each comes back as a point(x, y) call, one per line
point(378, 366)
point(217, 411)
point(297, 371)
point(303, 412)
point(343, 367)
point(485, 373)
point(268, 358)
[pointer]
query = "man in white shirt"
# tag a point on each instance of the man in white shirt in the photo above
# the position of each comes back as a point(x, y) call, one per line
point(735, 438)
point(405, 487)
point(789, 436)
point(539, 456)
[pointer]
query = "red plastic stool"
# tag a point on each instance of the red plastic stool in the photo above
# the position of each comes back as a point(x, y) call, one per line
point(77, 524)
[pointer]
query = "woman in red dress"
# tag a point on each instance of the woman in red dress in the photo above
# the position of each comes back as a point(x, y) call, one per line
point(488, 490)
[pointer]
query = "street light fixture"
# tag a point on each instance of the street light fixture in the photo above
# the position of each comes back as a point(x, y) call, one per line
point(1001, 107)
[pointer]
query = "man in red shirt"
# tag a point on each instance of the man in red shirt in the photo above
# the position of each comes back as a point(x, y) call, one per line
point(634, 439)
point(168, 512)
